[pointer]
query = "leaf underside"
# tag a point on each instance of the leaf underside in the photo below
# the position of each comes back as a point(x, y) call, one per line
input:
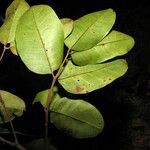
point(39, 39)
point(90, 29)
point(76, 118)
point(67, 25)
point(13, 13)
point(15, 106)
point(113, 45)
point(85, 79)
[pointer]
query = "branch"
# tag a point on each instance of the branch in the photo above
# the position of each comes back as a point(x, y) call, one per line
point(49, 97)
point(4, 50)
point(12, 144)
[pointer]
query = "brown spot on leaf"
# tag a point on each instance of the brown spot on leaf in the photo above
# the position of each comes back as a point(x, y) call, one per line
point(79, 89)
point(109, 79)
point(104, 80)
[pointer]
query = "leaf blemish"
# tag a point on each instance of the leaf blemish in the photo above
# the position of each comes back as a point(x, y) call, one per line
point(79, 89)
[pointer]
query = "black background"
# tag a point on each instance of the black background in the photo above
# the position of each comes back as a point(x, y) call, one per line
point(124, 104)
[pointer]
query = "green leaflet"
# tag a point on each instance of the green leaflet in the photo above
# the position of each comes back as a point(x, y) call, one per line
point(90, 29)
point(114, 44)
point(8, 29)
point(77, 118)
point(67, 25)
point(40, 39)
point(42, 96)
point(85, 79)
point(14, 105)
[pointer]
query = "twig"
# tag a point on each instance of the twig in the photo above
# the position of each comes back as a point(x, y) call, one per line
point(2, 55)
point(17, 132)
point(18, 146)
point(4, 50)
point(49, 97)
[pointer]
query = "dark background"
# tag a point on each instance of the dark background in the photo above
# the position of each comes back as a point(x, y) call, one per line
point(124, 104)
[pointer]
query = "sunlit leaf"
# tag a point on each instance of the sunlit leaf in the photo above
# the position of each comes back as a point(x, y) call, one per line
point(40, 39)
point(13, 14)
point(68, 26)
point(14, 106)
point(90, 29)
point(13, 48)
point(114, 44)
point(77, 118)
point(84, 79)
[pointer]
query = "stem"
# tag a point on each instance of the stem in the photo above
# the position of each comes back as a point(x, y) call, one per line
point(2, 55)
point(12, 144)
point(49, 97)
point(4, 50)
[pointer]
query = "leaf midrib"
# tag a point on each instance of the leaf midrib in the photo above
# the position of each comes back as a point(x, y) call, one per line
point(88, 28)
point(101, 43)
point(84, 72)
point(43, 45)
point(75, 119)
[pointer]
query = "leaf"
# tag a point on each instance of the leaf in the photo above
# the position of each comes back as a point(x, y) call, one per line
point(13, 14)
point(85, 79)
point(90, 29)
point(14, 106)
point(42, 96)
point(67, 25)
point(114, 44)
point(13, 48)
point(40, 39)
point(77, 118)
